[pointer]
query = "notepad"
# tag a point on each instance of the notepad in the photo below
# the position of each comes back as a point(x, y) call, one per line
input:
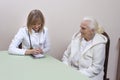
point(38, 55)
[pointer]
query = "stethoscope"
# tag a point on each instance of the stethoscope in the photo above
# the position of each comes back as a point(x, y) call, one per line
point(31, 47)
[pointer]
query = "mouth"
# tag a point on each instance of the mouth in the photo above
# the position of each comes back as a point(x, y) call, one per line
point(82, 33)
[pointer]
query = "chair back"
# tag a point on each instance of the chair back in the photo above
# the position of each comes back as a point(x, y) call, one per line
point(106, 56)
point(20, 46)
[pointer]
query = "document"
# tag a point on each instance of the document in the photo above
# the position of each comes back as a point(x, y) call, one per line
point(38, 56)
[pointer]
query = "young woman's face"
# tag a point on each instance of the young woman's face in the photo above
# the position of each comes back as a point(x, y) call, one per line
point(36, 27)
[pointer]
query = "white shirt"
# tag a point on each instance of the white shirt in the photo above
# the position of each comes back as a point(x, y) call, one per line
point(38, 40)
point(76, 57)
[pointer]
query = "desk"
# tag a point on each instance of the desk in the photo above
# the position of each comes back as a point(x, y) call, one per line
point(13, 67)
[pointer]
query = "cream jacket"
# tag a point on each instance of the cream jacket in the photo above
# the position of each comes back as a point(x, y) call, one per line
point(40, 39)
point(91, 60)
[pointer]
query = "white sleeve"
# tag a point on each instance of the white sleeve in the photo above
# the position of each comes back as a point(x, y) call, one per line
point(46, 47)
point(13, 48)
point(66, 55)
point(98, 61)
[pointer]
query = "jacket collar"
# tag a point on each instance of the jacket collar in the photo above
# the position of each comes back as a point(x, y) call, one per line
point(98, 39)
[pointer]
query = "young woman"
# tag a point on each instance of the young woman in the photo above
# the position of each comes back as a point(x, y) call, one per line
point(34, 37)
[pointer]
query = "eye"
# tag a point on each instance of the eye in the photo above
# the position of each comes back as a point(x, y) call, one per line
point(82, 28)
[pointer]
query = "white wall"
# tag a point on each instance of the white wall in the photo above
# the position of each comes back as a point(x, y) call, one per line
point(63, 19)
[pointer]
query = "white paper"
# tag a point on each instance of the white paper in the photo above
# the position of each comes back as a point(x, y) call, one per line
point(38, 55)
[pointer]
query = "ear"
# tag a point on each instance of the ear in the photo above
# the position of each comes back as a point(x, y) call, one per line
point(93, 30)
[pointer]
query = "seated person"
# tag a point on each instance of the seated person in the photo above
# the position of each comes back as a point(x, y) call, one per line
point(86, 52)
point(34, 37)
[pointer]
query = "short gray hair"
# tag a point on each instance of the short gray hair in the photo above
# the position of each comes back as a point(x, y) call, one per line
point(94, 24)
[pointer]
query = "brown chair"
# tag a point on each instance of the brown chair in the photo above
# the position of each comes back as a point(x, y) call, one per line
point(20, 46)
point(106, 56)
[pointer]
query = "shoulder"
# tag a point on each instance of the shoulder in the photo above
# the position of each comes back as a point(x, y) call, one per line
point(99, 38)
point(45, 28)
point(23, 29)
point(76, 35)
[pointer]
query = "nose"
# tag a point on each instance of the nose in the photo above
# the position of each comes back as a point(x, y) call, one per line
point(36, 26)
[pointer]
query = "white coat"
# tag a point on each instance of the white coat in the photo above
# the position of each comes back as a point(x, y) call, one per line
point(38, 40)
point(91, 60)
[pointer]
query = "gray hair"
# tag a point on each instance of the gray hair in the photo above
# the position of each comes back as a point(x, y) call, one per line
point(94, 24)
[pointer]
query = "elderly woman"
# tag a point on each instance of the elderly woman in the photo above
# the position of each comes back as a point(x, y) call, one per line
point(86, 53)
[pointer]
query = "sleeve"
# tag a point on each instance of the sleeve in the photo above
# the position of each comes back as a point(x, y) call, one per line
point(66, 55)
point(13, 48)
point(98, 61)
point(47, 42)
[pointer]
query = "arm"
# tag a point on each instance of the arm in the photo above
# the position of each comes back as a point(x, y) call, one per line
point(46, 44)
point(13, 48)
point(67, 52)
point(66, 55)
point(97, 63)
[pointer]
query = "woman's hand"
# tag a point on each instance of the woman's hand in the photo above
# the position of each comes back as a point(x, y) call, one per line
point(34, 51)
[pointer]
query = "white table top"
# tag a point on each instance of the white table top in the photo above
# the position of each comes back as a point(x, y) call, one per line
point(14, 67)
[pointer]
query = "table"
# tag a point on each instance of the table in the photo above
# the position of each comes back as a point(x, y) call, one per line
point(14, 67)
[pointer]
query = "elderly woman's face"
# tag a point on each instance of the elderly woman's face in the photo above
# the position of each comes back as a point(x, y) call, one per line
point(86, 32)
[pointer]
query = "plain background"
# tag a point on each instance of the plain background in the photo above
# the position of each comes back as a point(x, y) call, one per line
point(63, 18)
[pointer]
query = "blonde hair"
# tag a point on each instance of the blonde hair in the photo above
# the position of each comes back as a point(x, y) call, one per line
point(94, 25)
point(34, 17)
